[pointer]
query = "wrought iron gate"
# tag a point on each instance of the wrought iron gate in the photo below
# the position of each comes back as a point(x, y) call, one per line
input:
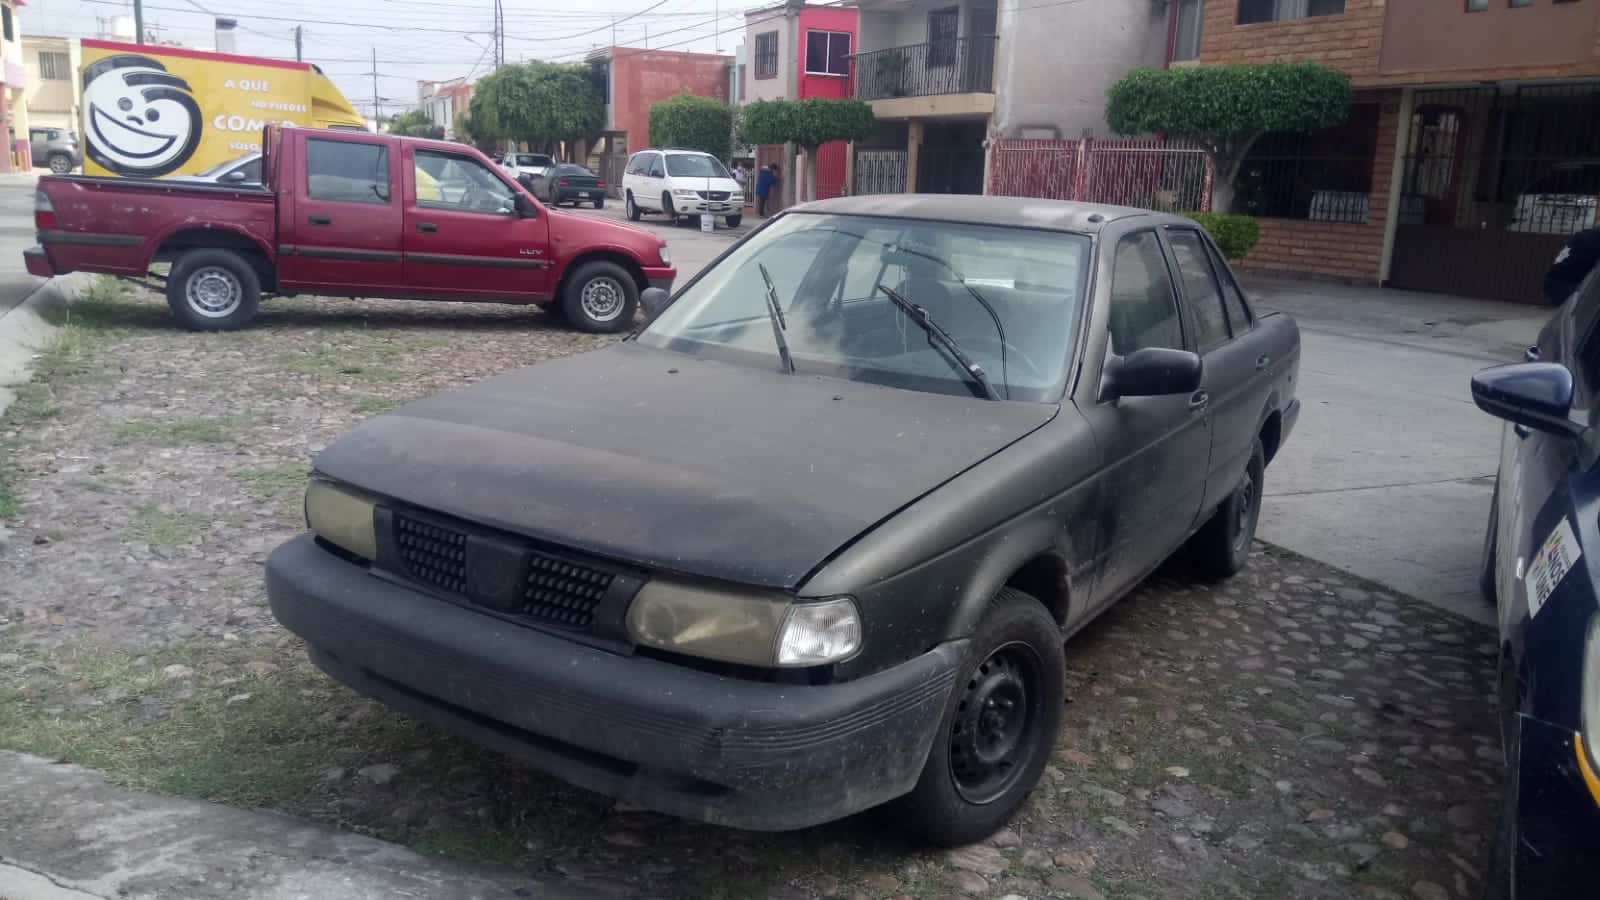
point(880, 171)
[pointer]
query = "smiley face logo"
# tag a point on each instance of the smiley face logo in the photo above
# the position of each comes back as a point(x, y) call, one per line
point(141, 120)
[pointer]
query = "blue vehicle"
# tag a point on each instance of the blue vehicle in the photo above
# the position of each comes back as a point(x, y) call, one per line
point(1540, 565)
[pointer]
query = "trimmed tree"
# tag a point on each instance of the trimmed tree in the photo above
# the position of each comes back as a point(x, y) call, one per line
point(807, 123)
point(1225, 108)
point(693, 123)
point(538, 102)
point(415, 123)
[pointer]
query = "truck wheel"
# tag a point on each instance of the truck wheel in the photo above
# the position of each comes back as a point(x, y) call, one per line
point(1221, 546)
point(600, 204)
point(733, 221)
point(213, 290)
point(997, 730)
point(601, 298)
point(633, 208)
point(60, 163)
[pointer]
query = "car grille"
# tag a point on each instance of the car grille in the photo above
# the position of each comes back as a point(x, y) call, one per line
point(555, 590)
point(433, 555)
point(713, 195)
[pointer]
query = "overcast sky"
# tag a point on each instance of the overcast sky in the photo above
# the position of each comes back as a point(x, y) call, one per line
point(414, 39)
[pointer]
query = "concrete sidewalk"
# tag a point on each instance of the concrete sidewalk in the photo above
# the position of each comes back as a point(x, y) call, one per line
point(67, 835)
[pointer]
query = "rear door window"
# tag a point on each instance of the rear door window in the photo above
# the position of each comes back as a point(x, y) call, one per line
point(347, 171)
point(1200, 289)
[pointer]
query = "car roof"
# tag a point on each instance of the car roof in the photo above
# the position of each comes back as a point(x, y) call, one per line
point(1019, 212)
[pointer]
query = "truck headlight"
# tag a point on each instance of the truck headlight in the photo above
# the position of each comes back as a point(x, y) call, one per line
point(666, 256)
point(342, 518)
point(679, 192)
point(745, 627)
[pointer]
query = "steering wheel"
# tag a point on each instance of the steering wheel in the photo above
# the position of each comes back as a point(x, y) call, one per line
point(1014, 355)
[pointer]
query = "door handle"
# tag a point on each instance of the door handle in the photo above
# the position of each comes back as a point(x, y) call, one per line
point(321, 220)
point(1199, 400)
point(1262, 361)
point(1531, 354)
point(427, 226)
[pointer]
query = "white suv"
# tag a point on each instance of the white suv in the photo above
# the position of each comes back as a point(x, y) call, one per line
point(681, 183)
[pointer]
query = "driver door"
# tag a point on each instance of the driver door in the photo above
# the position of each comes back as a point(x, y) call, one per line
point(463, 236)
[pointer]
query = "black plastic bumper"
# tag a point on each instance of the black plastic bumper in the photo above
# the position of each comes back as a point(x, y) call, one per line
point(1558, 819)
point(723, 750)
point(664, 283)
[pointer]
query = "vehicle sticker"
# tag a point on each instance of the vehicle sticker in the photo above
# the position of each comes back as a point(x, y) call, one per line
point(1557, 557)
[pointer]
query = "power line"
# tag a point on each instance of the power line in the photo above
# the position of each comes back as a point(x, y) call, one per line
point(299, 19)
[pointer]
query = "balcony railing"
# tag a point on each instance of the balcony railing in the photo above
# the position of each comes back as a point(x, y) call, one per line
point(955, 66)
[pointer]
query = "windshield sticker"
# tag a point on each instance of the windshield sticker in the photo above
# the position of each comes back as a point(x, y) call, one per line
point(1557, 557)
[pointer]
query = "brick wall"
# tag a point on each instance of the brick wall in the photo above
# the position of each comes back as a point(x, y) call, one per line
point(1343, 250)
point(1349, 42)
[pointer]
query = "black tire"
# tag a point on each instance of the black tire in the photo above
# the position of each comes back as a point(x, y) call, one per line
point(213, 290)
point(961, 797)
point(60, 163)
point(633, 208)
point(1486, 562)
point(666, 207)
point(600, 204)
point(733, 221)
point(601, 298)
point(1222, 546)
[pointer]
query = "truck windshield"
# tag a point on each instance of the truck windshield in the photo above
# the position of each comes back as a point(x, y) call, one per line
point(532, 160)
point(1010, 297)
point(695, 166)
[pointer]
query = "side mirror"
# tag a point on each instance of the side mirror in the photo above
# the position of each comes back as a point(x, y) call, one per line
point(654, 300)
point(526, 208)
point(235, 175)
point(1151, 372)
point(1535, 395)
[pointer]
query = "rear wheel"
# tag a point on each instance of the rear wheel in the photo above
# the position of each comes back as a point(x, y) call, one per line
point(998, 726)
point(633, 208)
point(213, 290)
point(733, 221)
point(1222, 545)
point(601, 297)
point(60, 163)
point(599, 204)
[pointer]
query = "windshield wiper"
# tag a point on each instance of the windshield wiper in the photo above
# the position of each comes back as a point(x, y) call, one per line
point(778, 325)
point(937, 335)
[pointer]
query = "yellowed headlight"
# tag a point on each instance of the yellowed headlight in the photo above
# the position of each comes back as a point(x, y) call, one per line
point(342, 518)
point(708, 621)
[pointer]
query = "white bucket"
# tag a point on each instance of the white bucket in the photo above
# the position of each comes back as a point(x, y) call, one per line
point(708, 223)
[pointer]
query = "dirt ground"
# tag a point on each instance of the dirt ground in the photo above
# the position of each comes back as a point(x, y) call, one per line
point(1290, 733)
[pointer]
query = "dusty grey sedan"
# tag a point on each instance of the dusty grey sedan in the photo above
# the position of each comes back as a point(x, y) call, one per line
point(813, 539)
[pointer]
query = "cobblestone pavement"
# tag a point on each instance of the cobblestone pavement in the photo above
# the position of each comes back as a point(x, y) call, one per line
point(1290, 733)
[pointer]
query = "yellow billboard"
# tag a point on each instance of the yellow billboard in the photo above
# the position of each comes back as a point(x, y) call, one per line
point(150, 111)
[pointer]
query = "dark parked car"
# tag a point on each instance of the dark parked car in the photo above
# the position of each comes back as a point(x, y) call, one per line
point(813, 539)
point(1539, 567)
point(569, 183)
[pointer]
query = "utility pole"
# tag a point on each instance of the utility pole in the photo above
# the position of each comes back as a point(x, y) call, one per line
point(138, 21)
point(499, 34)
point(297, 55)
point(377, 116)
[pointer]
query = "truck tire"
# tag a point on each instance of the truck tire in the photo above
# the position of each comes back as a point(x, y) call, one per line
point(1008, 697)
point(600, 298)
point(1222, 545)
point(213, 290)
point(733, 221)
point(60, 163)
point(633, 208)
point(667, 207)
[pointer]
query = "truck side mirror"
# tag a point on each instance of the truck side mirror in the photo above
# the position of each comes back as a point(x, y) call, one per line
point(526, 208)
point(654, 300)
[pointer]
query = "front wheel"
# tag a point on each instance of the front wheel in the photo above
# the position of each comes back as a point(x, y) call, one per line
point(213, 290)
point(633, 208)
point(997, 730)
point(667, 208)
point(733, 221)
point(60, 164)
point(601, 298)
point(1222, 545)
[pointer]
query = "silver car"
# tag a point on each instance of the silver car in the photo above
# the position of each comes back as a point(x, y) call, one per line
point(55, 148)
point(241, 171)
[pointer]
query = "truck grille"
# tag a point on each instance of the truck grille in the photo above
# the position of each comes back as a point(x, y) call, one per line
point(713, 195)
point(563, 593)
point(433, 555)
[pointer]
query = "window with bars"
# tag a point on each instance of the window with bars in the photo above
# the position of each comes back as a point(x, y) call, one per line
point(827, 53)
point(1252, 11)
point(767, 55)
point(55, 67)
point(943, 30)
point(1323, 176)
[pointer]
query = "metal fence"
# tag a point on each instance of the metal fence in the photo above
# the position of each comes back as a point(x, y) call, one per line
point(880, 172)
point(953, 66)
point(1151, 173)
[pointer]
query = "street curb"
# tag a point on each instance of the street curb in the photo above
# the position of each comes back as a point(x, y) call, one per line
point(25, 329)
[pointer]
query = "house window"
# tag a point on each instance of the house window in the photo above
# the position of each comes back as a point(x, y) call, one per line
point(827, 53)
point(738, 95)
point(54, 67)
point(1186, 35)
point(767, 55)
point(1477, 5)
point(5, 22)
point(1324, 176)
point(1517, 3)
point(942, 30)
point(1251, 11)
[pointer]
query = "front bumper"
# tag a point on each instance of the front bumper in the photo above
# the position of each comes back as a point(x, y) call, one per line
point(732, 752)
point(1557, 818)
point(38, 263)
point(661, 277)
point(685, 206)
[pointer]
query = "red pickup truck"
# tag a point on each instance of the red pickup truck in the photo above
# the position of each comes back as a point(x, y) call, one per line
point(350, 214)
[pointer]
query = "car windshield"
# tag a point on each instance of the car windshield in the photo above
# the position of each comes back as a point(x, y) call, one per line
point(1010, 297)
point(221, 167)
point(695, 165)
point(532, 160)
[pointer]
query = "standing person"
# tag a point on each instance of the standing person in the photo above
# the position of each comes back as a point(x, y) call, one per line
point(765, 182)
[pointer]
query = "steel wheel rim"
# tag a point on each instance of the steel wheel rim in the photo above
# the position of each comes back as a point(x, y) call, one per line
point(60, 166)
point(990, 735)
point(602, 299)
point(213, 292)
point(1247, 502)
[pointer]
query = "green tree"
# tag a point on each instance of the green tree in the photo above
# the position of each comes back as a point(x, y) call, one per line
point(1225, 108)
point(415, 123)
point(808, 123)
point(538, 102)
point(693, 123)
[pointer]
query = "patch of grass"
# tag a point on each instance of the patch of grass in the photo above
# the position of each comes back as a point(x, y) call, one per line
point(378, 404)
point(366, 360)
point(1273, 550)
point(177, 432)
point(283, 486)
point(484, 843)
point(162, 528)
point(103, 484)
point(35, 402)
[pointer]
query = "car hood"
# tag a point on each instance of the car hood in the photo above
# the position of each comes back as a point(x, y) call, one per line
point(677, 463)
